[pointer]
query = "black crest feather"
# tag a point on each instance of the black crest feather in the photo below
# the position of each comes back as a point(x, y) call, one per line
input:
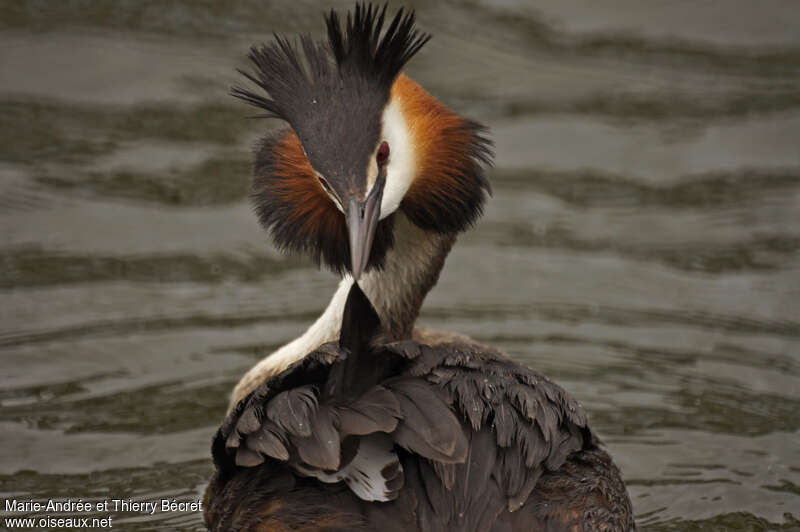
point(332, 94)
point(361, 47)
point(359, 53)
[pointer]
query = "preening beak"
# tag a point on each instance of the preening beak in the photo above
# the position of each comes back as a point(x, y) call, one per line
point(362, 220)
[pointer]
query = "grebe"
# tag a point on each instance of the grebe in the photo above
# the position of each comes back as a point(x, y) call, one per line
point(365, 422)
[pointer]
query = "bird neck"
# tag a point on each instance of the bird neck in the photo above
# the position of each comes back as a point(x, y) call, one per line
point(411, 268)
point(410, 271)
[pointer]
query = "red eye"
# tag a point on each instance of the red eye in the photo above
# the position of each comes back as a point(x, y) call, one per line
point(383, 153)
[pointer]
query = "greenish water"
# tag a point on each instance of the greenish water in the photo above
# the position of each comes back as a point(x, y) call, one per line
point(642, 246)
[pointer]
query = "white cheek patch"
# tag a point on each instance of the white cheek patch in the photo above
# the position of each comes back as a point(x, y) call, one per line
point(401, 168)
point(372, 173)
point(333, 198)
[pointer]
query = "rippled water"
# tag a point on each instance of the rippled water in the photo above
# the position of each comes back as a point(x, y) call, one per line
point(642, 246)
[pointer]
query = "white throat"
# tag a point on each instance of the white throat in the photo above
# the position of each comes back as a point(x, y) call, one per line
point(410, 270)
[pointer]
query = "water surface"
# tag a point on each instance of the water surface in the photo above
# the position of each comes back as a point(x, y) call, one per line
point(642, 245)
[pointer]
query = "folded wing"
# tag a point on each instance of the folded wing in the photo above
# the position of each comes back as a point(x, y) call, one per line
point(455, 432)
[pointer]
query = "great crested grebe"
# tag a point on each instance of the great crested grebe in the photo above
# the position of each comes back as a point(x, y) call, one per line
point(364, 422)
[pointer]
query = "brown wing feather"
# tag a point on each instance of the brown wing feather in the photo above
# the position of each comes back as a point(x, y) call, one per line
point(474, 431)
point(455, 435)
point(520, 426)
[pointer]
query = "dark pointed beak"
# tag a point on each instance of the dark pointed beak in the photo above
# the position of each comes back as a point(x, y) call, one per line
point(362, 220)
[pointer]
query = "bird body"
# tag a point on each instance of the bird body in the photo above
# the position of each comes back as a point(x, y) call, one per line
point(359, 435)
point(365, 422)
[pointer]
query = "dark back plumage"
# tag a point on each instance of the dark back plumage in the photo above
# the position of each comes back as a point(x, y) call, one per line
point(452, 437)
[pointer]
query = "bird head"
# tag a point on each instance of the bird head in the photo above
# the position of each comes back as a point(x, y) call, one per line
point(363, 142)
